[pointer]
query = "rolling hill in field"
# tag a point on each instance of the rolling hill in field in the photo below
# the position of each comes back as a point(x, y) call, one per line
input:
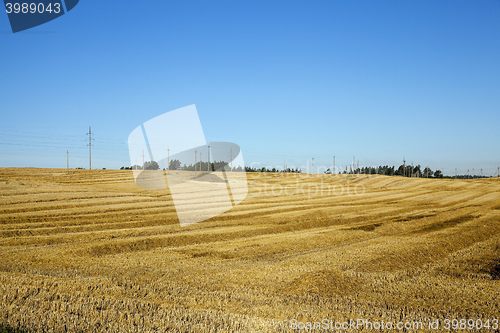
point(89, 251)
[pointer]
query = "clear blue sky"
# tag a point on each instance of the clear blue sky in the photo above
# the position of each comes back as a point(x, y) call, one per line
point(380, 80)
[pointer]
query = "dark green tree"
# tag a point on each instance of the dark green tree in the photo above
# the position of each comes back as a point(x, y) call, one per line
point(174, 165)
point(151, 165)
point(427, 172)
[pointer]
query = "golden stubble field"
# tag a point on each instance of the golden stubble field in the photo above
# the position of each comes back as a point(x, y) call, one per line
point(90, 251)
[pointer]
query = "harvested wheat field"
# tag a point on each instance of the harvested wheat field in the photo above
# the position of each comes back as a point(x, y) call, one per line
point(90, 251)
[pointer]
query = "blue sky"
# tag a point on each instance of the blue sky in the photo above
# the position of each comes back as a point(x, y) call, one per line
point(379, 80)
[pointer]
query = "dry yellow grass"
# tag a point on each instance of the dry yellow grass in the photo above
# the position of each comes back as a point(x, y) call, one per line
point(89, 251)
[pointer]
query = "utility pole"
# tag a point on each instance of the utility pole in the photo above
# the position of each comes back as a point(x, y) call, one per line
point(208, 159)
point(168, 160)
point(231, 150)
point(333, 171)
point(404, 167)
point(313, 167)
point(473, 173)
point(143, 159)
point(456, 173)
point(200, 162)
point(353, 164)
point(90, 148)
point(498, 172)
point(357, 167)
point(284, 166)
point(67, 160)
point(195, 153)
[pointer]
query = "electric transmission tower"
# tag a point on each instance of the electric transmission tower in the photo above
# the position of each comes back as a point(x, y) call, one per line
point(90, 147)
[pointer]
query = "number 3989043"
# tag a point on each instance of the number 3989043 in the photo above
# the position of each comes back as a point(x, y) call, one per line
point(32, 8)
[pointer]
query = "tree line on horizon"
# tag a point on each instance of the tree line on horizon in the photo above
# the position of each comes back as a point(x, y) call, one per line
point(386, 170)
point(175, 164)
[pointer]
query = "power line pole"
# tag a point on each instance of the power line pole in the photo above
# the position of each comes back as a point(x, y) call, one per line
point(195, 154)
point(143, 159)
point(353, 164)
point(168, 160)
point(67, 160)
point(231, 150)
point(456, 174)
point(90, 148)
point(313, 167)
point(333, 171)
point(200, 162)
point(498, 172)
point(473, 173)
point(208, 159)
point(284, 166)
point(404, 167)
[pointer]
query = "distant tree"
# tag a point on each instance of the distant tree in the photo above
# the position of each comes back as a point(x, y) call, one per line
point(174, 165)
point(417, 171)
point(328, 171)
point(427, 172)
point(151, 165)
point(438, 174)
point(401, 170)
